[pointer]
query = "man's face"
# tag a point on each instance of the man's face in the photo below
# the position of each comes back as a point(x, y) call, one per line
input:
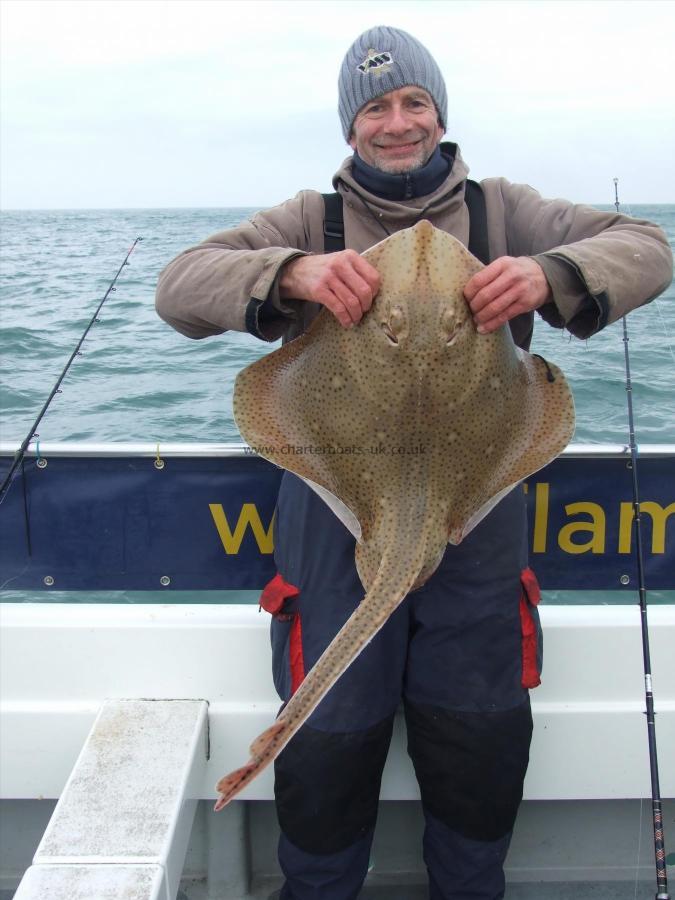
point(398, 131)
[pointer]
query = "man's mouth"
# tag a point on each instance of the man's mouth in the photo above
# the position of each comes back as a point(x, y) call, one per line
point(395, 149)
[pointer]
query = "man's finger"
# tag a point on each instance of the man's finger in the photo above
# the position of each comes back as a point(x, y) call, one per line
point(354, 283)
point(369, 274)
point(362, 279)
point(493, 324)
point(350, 280)
point(494, 297)
point(506, 307)
point(337, 307)
point(348, 298)
point(484, 277)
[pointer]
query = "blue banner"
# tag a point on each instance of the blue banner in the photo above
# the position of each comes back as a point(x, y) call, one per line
point(206, 523)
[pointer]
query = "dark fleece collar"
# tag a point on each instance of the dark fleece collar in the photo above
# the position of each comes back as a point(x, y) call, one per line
point(409, 185)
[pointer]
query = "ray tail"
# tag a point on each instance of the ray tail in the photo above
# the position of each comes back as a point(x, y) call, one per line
point(395, 577)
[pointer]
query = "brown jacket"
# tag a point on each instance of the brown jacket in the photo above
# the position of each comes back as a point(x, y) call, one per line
point(600, 265)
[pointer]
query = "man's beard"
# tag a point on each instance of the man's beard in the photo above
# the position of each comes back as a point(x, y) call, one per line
point(403, 166)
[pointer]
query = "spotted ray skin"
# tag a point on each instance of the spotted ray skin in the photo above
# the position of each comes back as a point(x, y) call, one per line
point(412, 427)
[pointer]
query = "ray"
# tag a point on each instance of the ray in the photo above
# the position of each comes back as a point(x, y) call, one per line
point(411, 426)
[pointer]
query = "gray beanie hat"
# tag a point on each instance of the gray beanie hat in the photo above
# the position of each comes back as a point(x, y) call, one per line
point(384, 59)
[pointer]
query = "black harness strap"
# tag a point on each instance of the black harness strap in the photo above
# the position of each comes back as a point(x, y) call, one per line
point(478, 232)
point(334, 226)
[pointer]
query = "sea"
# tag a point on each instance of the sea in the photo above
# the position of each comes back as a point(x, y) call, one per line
point(139, 380)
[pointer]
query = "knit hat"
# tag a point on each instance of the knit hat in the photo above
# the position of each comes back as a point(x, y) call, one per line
point(385, 59)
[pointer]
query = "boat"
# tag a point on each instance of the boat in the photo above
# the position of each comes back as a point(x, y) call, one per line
point(142, 562)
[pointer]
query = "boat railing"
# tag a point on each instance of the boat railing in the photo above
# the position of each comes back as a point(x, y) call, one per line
point(142, 517)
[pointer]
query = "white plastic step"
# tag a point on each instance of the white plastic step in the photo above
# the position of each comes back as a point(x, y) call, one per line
point(103, 882)
point(127, 809)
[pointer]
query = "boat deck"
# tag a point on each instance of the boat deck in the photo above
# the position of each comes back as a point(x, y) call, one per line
point(582, 832)
point(268, 889)
point(570, 890)
point(567, 890)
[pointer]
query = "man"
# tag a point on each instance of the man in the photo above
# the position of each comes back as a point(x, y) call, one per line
point(455, 650)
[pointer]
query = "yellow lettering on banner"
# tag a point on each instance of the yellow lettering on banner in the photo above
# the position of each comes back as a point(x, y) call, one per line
point(659, 516)
point(248, 516)
point(596, 527)
point(541, 499)
point(625, 527)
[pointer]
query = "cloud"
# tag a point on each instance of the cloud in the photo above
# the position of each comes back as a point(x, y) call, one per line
point(124, 103)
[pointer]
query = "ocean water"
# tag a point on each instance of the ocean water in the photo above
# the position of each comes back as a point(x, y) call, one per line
point(138, 380)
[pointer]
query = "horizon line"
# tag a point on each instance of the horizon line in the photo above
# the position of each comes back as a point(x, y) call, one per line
point(256, 206)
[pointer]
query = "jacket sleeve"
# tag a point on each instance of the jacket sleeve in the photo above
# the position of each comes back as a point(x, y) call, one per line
point(230, 281)
point(600, 265)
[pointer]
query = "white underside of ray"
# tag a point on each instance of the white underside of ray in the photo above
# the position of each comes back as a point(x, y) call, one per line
point(344, 514)
point(487, 508)
point(351, 523)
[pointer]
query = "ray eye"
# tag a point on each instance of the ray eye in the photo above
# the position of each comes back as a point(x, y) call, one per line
point(451, 326)
point(453, 333)
point(389, 333)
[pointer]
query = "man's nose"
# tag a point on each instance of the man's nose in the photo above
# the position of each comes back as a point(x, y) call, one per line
point(398, 120)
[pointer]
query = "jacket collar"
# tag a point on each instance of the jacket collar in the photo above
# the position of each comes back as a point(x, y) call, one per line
point(408, 185)
point(400, 213)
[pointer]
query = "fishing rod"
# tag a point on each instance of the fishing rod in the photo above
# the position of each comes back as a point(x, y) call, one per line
point(21, 452)
point(657, 811)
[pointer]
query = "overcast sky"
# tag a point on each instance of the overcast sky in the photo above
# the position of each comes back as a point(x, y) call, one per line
point(160, 103)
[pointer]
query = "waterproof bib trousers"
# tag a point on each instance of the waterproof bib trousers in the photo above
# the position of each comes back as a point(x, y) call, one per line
point(460, 653)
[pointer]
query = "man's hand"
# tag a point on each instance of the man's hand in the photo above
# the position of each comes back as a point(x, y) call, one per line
point(506, 288)
point(343, 282)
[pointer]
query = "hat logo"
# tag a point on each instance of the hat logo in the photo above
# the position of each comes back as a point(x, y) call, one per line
point(376, 62)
